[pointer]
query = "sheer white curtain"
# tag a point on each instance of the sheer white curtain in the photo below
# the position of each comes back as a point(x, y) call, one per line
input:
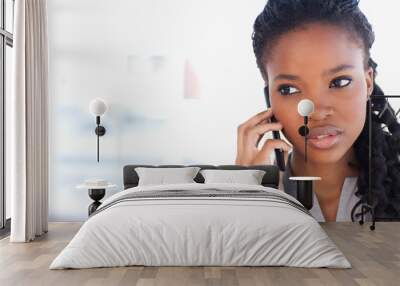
point(27, 133)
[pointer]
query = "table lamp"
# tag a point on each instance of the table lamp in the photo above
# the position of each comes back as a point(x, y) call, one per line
point(305, 184)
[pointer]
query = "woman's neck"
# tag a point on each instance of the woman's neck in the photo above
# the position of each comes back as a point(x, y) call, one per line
point(329, 188)
point(332, 174)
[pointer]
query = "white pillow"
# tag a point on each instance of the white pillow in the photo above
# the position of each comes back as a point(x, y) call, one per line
point(249, 177)
point(162, 176)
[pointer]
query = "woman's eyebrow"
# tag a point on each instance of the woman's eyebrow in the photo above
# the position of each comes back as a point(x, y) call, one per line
point(337, 69)
point(325, 73)
point(287, 77)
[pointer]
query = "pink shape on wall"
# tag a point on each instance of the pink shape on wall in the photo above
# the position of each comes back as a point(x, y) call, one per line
point(191, 83)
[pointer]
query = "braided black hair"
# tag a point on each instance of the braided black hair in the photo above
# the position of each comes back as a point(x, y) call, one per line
point(282, 16)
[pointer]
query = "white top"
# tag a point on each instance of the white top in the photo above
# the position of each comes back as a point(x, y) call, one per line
point(347, 201)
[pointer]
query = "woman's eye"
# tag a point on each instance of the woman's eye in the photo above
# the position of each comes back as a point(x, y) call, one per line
point(287, 90)
point(340, 82)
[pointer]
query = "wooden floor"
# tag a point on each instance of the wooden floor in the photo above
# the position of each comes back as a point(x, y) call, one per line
point(374, 255)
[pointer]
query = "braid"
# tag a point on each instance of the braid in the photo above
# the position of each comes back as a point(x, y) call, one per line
point(282, 16)
point(385, 161)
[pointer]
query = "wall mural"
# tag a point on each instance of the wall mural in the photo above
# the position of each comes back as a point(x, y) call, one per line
point(177, 83)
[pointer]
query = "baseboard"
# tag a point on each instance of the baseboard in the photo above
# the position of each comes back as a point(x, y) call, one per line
point(5, 231)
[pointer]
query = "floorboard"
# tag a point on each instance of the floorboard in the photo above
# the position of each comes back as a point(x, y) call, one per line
point(374, 255)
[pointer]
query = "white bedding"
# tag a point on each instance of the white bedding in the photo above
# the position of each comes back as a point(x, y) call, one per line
point(200, 231)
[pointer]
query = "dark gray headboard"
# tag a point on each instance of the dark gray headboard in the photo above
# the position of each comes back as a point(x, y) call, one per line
point(270, 179)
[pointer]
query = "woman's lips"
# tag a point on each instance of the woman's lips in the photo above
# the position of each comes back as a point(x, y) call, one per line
point(325, 142)
point(324, 137)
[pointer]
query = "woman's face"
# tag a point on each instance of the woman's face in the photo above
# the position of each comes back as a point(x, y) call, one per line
point(325, 64)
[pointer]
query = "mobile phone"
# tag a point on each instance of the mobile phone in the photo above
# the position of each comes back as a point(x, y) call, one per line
point(280, 159)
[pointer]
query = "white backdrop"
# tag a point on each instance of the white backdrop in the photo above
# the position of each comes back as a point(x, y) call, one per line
point(139, 55)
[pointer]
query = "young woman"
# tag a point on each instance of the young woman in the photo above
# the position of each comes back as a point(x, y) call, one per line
point(320, 50)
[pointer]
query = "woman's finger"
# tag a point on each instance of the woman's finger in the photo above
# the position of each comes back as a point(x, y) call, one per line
point(254, 135)
point(243, 130)
point(257, 119)
point(249, 135)
point(270, 145)
point(251, 139)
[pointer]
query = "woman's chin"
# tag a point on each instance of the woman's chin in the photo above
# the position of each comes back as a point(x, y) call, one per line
point(325, 156)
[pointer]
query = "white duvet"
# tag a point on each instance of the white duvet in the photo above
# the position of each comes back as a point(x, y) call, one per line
point(200, 231)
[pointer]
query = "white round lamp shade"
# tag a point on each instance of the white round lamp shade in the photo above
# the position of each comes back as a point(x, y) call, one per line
point(97, 107)
point(305, 107)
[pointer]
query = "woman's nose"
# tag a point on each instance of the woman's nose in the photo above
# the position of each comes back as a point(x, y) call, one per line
point(322, 110)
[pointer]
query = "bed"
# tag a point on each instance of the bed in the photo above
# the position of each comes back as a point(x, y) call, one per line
point(201, 224)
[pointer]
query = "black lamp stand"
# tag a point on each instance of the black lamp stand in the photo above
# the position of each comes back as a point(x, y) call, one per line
point(303, 131)
point(100, 131)
point(305, 187)
point(367, 205)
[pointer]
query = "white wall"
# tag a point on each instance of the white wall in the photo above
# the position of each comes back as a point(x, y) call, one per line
point(384, 17)
point(133, 54)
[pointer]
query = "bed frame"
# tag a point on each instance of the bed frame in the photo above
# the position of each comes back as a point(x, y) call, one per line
point(270, 179)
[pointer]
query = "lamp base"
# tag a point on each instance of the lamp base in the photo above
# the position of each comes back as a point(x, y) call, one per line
point(305, 193)
point(368, 208)
point(96, 195)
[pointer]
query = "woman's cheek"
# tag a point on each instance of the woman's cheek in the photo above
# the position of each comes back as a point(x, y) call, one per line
point(354, 113)
point(292, 135)
point(358, 118)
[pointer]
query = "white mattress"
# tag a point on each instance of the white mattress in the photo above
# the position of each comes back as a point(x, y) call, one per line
point(200, 231)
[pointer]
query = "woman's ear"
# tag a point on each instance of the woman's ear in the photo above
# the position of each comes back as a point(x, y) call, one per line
point(369, 78)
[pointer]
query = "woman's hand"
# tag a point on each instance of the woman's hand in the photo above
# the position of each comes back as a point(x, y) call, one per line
point(249, 135)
